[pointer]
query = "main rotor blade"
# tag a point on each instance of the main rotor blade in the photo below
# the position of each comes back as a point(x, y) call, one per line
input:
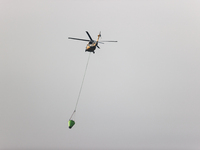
point(107, 41)
point(78, 39)
point(89, 36)
point(101, 42)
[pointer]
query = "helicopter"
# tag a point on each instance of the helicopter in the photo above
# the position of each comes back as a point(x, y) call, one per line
point(91, 46)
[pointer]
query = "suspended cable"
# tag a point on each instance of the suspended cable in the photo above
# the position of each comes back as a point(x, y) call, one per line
point(81, 87)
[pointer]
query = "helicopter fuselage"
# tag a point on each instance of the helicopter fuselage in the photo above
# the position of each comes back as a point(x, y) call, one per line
point(91, 46)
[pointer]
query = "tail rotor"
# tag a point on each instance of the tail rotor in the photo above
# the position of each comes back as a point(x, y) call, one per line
point(99, 34)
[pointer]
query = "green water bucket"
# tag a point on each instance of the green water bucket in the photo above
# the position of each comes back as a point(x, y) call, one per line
point(71, 123)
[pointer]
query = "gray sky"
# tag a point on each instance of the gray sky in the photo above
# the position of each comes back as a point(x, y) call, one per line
point(139, 93)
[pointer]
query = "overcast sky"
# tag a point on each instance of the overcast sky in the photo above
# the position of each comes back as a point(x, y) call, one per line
point(140, 93)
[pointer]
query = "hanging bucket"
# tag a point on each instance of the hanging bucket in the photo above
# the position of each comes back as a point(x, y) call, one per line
point(71, 123)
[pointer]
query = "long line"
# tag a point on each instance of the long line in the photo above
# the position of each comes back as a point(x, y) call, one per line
point(82, 83)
